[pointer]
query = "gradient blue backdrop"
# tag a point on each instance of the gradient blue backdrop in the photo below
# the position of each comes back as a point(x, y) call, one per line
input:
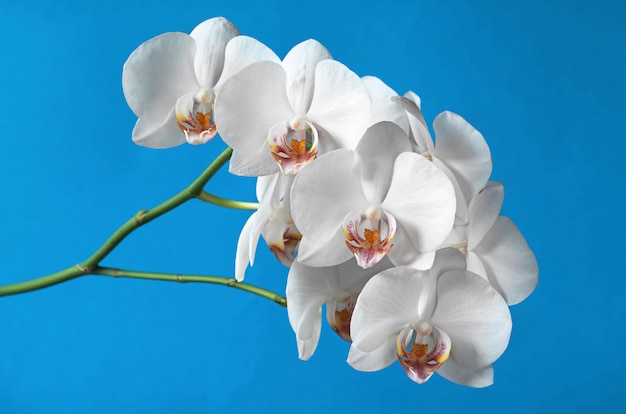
point(544, 81)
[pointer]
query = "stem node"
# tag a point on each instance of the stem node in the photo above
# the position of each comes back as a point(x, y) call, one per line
point(140, 215)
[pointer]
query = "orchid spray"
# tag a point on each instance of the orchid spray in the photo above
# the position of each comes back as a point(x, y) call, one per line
point(398, 235)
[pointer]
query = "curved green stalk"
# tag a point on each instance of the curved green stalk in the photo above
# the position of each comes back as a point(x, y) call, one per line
point(144, 216)
point(42, 282)
point(182, 278)
point(224, 202)
point(91, 265)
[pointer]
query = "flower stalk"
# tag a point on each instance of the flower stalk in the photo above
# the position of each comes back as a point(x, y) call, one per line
point(91, 266)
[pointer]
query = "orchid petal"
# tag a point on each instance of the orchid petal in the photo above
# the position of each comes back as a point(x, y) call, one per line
point(379, 358)
point(405, 253)
point(253, 164)
point(509, 262)
point(299, 64)
point(340, 104)
point(475, 316)
point(265, 211)
point(306, 293)
point(422, 200)
point(475, 265)
point(263, 183)
point(419, 131)
point(328, 252)
point(464, 150)
point(211, 37)
point(352, 278)
point(157, 73)
point(246, 109)
point(384, 108)
point(483, 212)
point(476, 378)
point(461, 216)
point(387, 304)
point(151, 135)
point(242, 51)
point(307, 347)
point(242, 256)
point(445, 260)
point(381, 144)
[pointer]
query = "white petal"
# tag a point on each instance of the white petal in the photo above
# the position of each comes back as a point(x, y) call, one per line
point(379, 147)
point(253, 164)
point(211, 37)
point(421, 198)
point(447, 260)
point(483, 212)
point(265, 182)
point(405, 253)
point(475, 265)
point(384, 107)
point(242, 256)
point(265, 211)
point(476, 378)
point(378, 359)
point(340, 105)
point(411, 104)
point(157, 73)
point(299, 64)
point(242, 51)
point(322, 194)
point(329, 252)
point(461, 216)
point(246, 109)
point(307, 290)
point(307, 347)
point(464, 150)
point(475, 316)
point(352, 278)
point(509, 262)
point(387, 303)
point(152, 135)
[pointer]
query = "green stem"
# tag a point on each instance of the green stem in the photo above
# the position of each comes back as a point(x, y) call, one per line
point(224, 202)
point(144, 216)
point(91, 265)
point(171, 277)
point(42, 282)
point(76, 271)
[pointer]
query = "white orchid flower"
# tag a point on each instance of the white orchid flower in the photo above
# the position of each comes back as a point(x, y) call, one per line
point(494, 247)
point(308, 288)
point(170, 82)
point(380, 199)
point(446, 320)
point(273, 221)
point(280, 116)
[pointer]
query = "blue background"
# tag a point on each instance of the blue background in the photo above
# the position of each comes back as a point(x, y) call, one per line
point(544, 81)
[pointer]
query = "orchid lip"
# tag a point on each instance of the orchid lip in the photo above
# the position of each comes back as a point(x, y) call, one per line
point(293, 145)
point(194, 116)
point(282, 236)
point(286, 249)
point(368, 235)
point(422, 349)
point(339, 316)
